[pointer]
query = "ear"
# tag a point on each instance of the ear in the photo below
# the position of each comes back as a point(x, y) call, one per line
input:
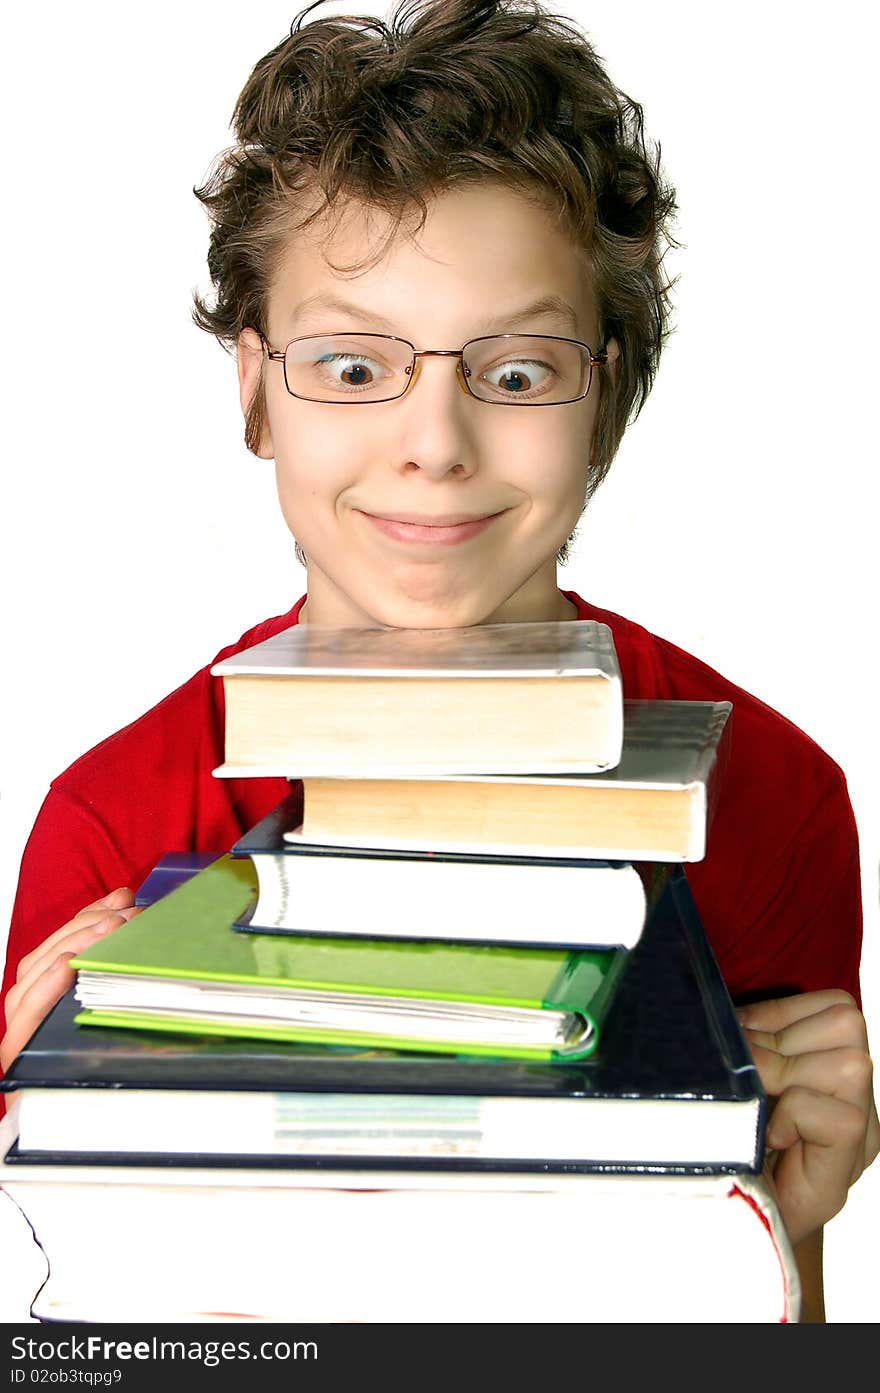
point(608, 377)
point(251, 389)
point(612, 348)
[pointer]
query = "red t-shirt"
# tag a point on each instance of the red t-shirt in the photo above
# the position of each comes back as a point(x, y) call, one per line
point(779, 889)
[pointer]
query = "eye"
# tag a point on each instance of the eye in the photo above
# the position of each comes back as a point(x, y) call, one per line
point(518, 377)
point(351, 370)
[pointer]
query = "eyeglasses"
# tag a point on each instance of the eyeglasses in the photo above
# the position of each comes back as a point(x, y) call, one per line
point(507, 369)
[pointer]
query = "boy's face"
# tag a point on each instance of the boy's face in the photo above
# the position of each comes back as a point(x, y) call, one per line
point(383, 496)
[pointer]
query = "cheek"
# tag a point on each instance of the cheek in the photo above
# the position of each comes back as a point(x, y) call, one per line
point(310, 459)
point(548, 454)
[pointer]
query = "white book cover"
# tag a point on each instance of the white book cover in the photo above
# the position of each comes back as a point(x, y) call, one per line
point(557, 649)
point(495, 696)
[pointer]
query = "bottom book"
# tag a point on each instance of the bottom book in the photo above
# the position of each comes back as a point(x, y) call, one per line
point(124, 1244)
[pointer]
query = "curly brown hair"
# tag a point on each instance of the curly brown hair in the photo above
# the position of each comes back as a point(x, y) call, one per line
point(447, 92)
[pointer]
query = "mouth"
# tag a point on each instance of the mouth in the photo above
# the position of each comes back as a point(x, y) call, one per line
point(442, 530)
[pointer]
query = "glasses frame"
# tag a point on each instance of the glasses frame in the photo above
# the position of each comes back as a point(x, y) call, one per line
point(594, 360)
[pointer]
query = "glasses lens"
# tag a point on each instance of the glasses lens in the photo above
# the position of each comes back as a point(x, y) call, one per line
point(348, 367)
point(526, 370)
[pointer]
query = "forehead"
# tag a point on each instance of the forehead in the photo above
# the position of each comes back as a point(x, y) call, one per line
point(484, 257)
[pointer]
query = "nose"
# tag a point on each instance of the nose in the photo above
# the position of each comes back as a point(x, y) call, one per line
point(420, 353)
point(436, 432)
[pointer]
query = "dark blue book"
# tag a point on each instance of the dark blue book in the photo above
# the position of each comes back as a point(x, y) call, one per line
point(672, 1088)
point(169, 872)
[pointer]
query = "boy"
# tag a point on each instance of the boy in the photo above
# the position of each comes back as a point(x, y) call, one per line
point(456, 225)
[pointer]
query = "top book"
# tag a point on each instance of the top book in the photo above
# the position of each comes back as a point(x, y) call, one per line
point(494, 698)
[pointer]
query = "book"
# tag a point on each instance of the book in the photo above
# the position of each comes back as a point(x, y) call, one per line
point(170, 871)
point(655, 805)
point(265, 1246)
point(346, 891)
point(179, 966)
point(672, 1087)
point(489, 698)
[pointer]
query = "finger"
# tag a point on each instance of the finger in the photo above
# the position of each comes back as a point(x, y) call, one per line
point(837, 1024)
point(819, 1140)
point(73, 941)
point(60, 940)
point(872, 1137)
point(843, 1073)
point(33, 1007)
point(117, 900)
point(780, 1012)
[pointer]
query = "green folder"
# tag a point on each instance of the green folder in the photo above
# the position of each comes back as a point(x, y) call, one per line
point(181, 966)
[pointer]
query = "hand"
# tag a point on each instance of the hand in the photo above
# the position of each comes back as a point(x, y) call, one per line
point(45, 974)
point(811, 1052)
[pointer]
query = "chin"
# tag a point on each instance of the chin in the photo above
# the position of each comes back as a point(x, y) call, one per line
point(402, 611)
point(408, 616)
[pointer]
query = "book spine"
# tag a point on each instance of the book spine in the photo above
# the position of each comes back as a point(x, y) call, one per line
point(614, 965)
point(734, 1050)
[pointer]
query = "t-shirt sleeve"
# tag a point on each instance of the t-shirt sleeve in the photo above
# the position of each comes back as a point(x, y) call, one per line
point(69, 861)
point(779, 890)
point(146, 790)
point(788, 918)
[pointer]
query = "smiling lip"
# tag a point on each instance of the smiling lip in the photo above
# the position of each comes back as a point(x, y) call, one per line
point(444, 531)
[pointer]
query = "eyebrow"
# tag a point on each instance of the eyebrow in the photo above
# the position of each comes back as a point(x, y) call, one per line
point(546, 305)
point(337, 305)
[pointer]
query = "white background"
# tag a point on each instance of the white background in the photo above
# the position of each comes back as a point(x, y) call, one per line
point(739, 520)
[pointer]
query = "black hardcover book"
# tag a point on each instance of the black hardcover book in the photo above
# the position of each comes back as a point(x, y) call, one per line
point(672, 1088)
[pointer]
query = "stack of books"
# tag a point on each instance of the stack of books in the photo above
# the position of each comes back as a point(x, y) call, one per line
point(455, 988)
